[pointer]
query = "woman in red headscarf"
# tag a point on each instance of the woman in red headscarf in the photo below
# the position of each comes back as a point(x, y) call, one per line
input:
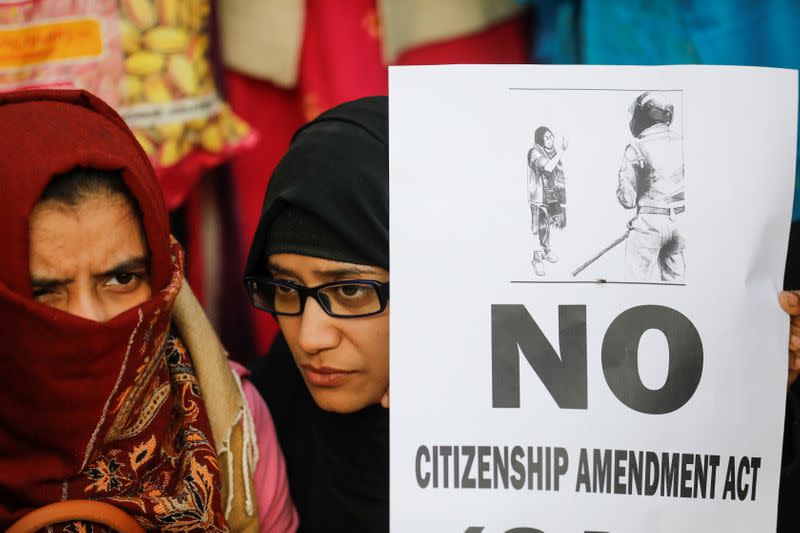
point(113, 387)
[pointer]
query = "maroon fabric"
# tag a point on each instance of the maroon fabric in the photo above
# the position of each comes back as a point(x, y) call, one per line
point(85, 409)
point(48, 132)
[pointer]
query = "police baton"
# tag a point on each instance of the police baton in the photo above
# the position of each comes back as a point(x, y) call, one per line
point(601, 253)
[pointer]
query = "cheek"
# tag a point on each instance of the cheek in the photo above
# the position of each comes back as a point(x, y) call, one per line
point(290, 328)
point(118, 303)
point(372, 341)
point(365, 346)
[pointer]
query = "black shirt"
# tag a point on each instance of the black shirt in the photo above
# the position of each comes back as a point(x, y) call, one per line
point(337, 465)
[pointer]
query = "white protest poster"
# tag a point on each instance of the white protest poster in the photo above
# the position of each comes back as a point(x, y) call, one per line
point(585, 328)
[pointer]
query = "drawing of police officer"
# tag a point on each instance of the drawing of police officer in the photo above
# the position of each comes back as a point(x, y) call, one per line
point(651, 181)
point(547, 194)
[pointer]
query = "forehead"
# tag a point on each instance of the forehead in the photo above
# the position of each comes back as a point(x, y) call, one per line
point(92, 209)
point(100, 230)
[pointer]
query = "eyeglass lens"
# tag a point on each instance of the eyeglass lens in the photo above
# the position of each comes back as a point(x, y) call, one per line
point(345, 299)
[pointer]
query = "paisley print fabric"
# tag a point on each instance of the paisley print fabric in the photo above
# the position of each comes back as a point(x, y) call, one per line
point(107, 411)
point(154, 456)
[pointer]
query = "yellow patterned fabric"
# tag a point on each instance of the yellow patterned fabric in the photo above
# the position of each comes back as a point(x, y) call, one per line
point(227, 409)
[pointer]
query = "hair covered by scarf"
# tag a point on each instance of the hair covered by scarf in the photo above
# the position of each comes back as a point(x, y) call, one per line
point(329, 195)
point(329, 198)
point(538, 139)
point(108, 411)
point(538, 135)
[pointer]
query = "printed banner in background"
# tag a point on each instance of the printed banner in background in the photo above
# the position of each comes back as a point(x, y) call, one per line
point(585, 266)
point(149, 59)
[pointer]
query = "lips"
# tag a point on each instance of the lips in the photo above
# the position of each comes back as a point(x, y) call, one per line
point(325, 376)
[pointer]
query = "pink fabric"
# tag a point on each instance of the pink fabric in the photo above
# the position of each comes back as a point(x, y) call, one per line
point(275, 507)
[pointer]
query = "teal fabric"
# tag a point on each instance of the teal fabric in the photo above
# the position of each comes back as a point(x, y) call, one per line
point(653, 32)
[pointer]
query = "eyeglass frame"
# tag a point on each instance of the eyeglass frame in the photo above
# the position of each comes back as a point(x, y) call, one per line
point(381, 289)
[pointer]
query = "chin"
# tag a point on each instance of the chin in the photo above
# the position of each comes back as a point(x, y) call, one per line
point(340, 401)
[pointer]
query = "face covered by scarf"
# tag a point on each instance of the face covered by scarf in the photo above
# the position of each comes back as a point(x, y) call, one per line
point(88, 410)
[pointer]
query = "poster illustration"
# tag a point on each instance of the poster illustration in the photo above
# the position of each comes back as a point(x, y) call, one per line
point(650, 186)
point(585, 331)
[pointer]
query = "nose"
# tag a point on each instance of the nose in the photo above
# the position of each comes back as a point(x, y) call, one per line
point(318, 331)
point(86, 304)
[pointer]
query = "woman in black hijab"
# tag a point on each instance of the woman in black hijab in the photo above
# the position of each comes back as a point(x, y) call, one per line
point(320, 262)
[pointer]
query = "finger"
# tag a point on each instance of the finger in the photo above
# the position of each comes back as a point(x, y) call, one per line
point(385, 399)
point(794, 362)
point(794, 343)
point(790, 302)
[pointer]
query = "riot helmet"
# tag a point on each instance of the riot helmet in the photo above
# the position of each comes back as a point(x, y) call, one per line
point(648, 109)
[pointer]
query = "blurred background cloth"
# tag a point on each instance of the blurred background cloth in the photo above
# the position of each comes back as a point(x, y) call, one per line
point(646, 32)
point(282, 62)
point(334, 52)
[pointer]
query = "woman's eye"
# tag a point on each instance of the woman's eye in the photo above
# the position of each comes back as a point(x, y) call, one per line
point(283, 290)
point(124, 279)
point(48, 295)
point(39, 294)
point(352, 299)
point(351, 291)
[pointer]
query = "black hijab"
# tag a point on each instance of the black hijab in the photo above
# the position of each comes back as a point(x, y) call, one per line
point(329, 198)
point(334, 177)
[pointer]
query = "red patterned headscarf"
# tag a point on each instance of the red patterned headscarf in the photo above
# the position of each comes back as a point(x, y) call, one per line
point(108, 411)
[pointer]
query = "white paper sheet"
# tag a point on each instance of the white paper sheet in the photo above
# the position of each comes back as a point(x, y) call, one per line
point(466, 292)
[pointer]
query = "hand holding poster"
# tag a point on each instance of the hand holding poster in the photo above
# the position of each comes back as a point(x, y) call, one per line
point(585, 262)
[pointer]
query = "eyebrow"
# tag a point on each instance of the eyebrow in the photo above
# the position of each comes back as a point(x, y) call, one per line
point(48, 283)
point(344, 271)
point(278, 269)
point(351, 270)
point(133, 264)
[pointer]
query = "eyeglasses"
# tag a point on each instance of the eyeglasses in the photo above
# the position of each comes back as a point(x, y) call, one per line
point(352, 298)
